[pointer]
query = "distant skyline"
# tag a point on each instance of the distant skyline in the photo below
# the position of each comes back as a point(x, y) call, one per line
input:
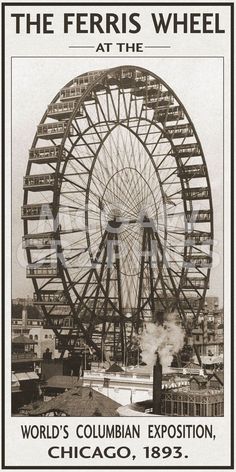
point(197, 83)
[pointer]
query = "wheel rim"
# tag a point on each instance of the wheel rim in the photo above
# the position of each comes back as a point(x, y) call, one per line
point(123, 149)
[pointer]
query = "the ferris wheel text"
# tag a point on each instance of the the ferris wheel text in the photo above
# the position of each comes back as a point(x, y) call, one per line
point(82, 23)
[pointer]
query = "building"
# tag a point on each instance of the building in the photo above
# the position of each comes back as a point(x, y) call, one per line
point(180, 403)
point(208, 336)
point(204, 396)
point(25, 372)
point(59, 384)
point(30, 343)
point(127, 386)
point(79, 401)
point(27, 320)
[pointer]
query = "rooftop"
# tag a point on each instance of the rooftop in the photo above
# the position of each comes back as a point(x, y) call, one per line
point(199, 379)
point(79, 401)
point(115, 368)
point(23, 340)
point(63, 381)
point(219, 375)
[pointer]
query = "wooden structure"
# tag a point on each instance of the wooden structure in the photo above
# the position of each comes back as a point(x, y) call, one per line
point(80, 401)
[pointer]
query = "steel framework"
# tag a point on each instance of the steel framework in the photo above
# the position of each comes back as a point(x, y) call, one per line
point(117, 210)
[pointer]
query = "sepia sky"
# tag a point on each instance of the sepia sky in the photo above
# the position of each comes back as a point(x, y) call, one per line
point(196, 81)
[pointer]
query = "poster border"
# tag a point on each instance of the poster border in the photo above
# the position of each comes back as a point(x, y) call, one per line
point(231, 6)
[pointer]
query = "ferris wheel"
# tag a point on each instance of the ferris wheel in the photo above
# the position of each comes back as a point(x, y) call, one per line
point(117, 210)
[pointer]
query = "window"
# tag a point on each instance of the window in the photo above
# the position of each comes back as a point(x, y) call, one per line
point(36, 337)
point(168, 406)
point(197, 409)
point(191, 409)
point(46, 336)
point(106, 382)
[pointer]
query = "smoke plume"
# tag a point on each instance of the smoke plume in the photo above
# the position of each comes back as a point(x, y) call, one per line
point(166, 339)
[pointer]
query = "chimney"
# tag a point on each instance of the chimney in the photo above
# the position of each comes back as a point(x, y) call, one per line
point(24, 317)
point(157, 384)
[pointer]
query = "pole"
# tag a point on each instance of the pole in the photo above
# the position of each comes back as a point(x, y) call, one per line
point(157, 385)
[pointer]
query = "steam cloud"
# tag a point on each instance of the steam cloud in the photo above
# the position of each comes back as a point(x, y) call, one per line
point(166, 339)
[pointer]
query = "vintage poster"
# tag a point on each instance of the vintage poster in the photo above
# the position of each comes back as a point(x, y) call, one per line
point(117, 157)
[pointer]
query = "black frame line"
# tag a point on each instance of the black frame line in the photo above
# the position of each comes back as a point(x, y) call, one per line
point(223, 4)
point(74, 4)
